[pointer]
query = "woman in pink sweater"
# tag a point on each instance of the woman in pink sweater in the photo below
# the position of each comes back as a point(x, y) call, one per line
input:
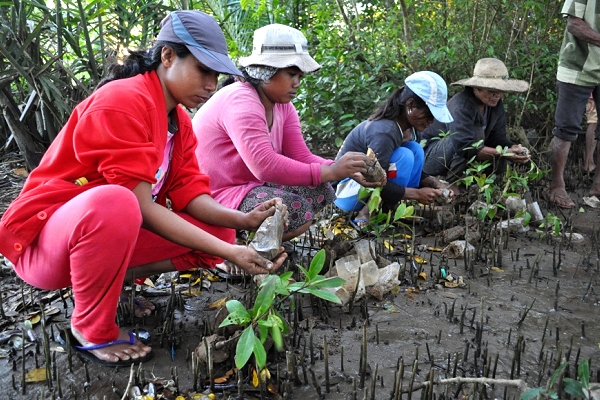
point(250, 141)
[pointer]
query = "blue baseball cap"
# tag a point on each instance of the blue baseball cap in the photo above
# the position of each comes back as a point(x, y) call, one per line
point(432, 89)
point(203, 37)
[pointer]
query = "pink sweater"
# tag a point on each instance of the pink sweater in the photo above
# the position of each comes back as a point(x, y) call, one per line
point(237, 151)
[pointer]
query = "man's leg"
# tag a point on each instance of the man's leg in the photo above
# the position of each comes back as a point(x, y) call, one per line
point(590, 135)
point(590, 145)
point(570, 107)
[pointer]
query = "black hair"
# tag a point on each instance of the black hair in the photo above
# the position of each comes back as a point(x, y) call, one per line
point(141, 61)
point(247, 78)
point(394, 106)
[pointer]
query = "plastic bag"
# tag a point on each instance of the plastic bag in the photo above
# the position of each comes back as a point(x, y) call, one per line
point(267, 239)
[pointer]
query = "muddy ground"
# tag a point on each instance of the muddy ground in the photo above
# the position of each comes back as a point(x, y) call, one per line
point(517, 321)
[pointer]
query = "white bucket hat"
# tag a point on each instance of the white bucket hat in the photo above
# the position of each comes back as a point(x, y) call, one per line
point(491, 73)
point(280, 46)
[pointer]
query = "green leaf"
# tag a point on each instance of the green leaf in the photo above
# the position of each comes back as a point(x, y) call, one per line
point(263, 331)
point(235, 306)
point(301, 268)
point(334, 281)
point(583, 373)
point(260, 354)
point(316, 265)
point(526, 219)
point(322, 293)
point(532, 393)
point(557, 373)
point(236, 318)
point(265, 298)
point(277, 338)
point(574, 388)
point(245, 346)
point(400, 211)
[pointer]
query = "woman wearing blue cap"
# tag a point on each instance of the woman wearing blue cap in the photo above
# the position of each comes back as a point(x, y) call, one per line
point(119, 193)
point(391, 133)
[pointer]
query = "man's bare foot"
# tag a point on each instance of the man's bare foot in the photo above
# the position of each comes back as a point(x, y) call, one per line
point(560, 198)
point(116, 352)
point(595, 189)
point(142, 306)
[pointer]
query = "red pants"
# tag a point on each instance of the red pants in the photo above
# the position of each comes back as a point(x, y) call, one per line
point(90, 242)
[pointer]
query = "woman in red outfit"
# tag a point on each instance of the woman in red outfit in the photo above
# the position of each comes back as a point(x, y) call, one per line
point(119, 193)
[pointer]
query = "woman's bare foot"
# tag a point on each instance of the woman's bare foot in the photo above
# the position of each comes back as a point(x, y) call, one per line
point(142, 306)
point(230, 268)
point(116, 352)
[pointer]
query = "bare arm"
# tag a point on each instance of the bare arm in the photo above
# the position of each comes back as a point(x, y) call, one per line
point(172, 227)
point(581, 30)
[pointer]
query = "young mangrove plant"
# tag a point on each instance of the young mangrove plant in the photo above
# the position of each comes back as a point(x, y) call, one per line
point(265, 317)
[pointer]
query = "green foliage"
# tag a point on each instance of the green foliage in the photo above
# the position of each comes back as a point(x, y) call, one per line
point(579, 388)
point(365, 49)
point(550, 223)
point(265, 317)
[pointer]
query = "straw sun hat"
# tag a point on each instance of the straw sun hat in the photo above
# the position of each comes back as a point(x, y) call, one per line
point(280, 46)
point(491, 73)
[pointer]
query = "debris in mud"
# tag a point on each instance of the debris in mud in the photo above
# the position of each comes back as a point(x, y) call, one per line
point(363, 275)
point(592, 201)
point(457, 249)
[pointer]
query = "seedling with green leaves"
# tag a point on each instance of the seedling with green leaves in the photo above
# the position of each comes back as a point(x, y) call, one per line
point(579, 388)
point(265, 317)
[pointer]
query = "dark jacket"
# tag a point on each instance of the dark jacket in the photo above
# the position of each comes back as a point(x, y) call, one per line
point(470, 126)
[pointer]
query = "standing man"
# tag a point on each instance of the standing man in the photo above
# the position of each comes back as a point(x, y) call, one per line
point(578, 75)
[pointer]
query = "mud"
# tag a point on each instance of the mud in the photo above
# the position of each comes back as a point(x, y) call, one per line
point(517, 321)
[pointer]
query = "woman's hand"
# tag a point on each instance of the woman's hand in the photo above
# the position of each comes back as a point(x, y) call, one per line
point(252, 263)
point(424, 195)
point(358, 177)
point(349, 164)
point(256, 217)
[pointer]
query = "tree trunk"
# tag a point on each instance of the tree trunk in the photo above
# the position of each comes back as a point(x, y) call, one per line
point(32, 151)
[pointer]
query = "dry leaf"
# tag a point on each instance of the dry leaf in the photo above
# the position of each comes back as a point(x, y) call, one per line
point(419, 260)
point(21, 172)
point(36, 375)
point(217, 305)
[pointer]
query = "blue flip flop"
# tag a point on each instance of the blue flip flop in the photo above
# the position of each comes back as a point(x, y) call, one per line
point(359, 223)
point(84, 351)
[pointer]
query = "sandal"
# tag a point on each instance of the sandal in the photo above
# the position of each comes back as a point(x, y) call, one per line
point(564, 202)
point(84, 351)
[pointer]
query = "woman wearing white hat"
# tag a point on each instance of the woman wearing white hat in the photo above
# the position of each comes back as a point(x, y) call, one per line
point(479, 124)
point(250, 141)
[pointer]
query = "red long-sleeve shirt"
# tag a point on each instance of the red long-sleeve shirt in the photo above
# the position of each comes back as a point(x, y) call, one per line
point(115, 136)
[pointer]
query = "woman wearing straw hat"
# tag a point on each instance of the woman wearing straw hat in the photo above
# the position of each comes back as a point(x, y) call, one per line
point(250, 139)
point(479, 124)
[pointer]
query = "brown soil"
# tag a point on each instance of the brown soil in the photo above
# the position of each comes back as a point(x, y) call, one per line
point(519, 320)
